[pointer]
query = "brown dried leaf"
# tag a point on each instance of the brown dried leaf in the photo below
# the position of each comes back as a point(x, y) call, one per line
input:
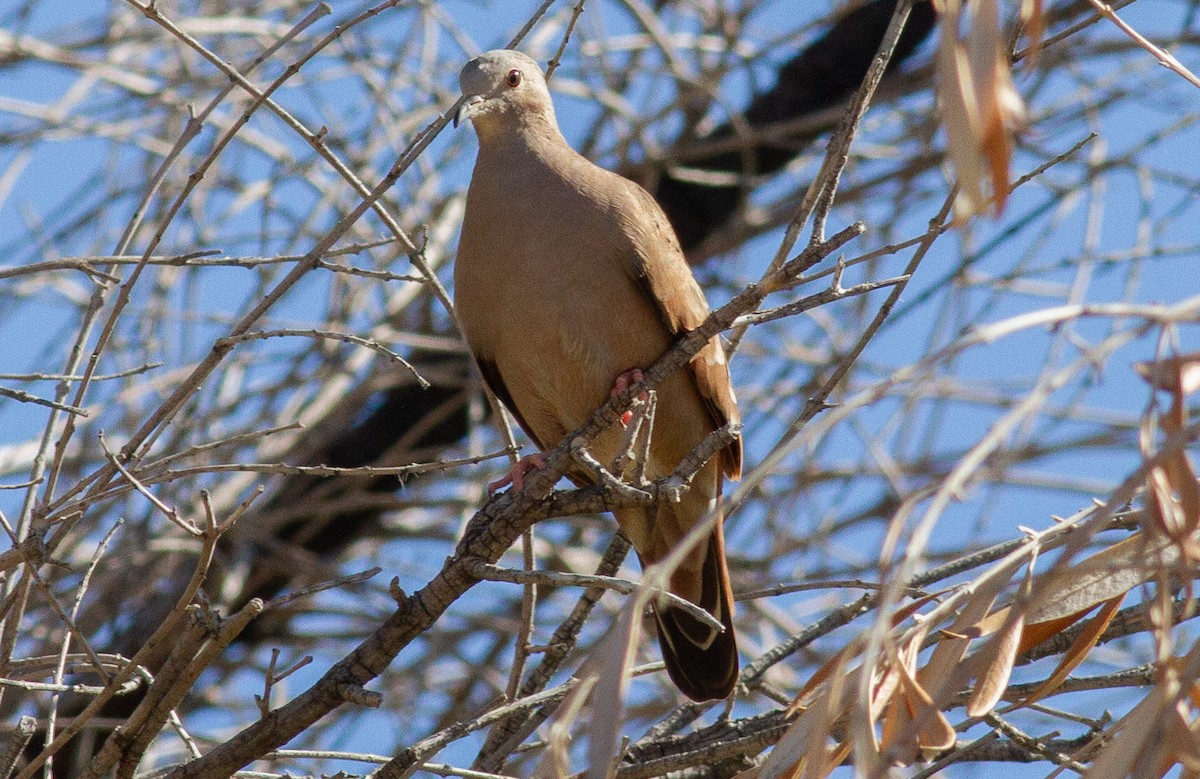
point(1184, 738)
point(1176, 504)
point(1168, 748)
point(821, 674)
point(998, 98)
point(1178, 373)
point(803, 749)
point(1101, 577)
point(853, 648)
point(1060, 599)
point(996, 659)
point(960, 111)
point(1140, 746)
point(884, 691)
point(889, 699)
point(556, 760)
point(617, 652)
point(935, 734)
point(1034, 632)
point(1035, 25)
point(1134, 731)
point(604, 679)
point(943, 674)
point(1169, 512)
point(1037, 632)
point(789, 756)
point(822, 757)
point(822, 760)
point(1074, 656)
point(1184, 490)
point(897, 719)
point(979, 103)
point(919, 729)
point(992, 665)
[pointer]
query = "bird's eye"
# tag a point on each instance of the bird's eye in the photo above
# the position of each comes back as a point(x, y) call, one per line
point(513, 79)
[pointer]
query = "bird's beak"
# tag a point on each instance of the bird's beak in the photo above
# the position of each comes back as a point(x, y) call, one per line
point(467, 109)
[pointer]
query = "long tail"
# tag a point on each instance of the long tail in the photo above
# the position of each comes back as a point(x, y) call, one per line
point(702, 661)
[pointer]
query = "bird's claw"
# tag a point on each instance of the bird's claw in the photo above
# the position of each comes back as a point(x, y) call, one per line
point(624, 380)
point(516, 475)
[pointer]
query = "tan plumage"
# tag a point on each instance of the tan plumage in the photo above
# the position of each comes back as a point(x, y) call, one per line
point(568, 275)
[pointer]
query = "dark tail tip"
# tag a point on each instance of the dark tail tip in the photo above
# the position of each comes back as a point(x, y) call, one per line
point(701, 662)
point(702, 673)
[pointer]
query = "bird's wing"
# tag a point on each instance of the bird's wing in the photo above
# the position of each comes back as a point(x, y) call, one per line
point(495, 381)
point(658, 265)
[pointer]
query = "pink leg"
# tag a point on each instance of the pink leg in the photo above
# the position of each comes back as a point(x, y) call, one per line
point(516, 475)
point(622, 383)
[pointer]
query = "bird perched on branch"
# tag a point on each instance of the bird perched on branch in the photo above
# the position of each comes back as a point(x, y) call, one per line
point(569, 280)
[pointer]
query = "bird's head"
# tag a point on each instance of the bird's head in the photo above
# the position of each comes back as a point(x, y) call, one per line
point(503, 88)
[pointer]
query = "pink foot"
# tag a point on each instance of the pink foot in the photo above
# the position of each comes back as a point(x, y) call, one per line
point(516, 475)
point(622, 383)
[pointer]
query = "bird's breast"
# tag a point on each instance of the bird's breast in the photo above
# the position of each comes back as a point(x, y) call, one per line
point(558, 317)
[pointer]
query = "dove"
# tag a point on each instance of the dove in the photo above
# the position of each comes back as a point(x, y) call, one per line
point(569, 281)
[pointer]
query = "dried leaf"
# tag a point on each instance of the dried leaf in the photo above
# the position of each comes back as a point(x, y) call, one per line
point(1165, 751)
point(935, 734)
point(604, 678)
point(960, 111)
point(807, 739)
point(916, 726)
point(1134, 730)
point(897, 719)
point(979, 103)
point(821, 674)
point(1181, 373)
point(556, 760)
point(992, 665)
point(884, 691)
point(822, 759)
point(803, 749)
point(1168, 512)
point(1181, 481)
point(1079, 649)
point(1037, 632)
point(1185, 741)
point(943, 674)
point(831, 759)
point(903, 663)
point(1140, 747)
point(787, 758)
point(993, 90)
point(617, 652)
point(1101, 577)
point(853, 648)
point(1035, 25)
point(996, 660)
point(1173, 486)
point(1069, 595)
point(888, 699)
